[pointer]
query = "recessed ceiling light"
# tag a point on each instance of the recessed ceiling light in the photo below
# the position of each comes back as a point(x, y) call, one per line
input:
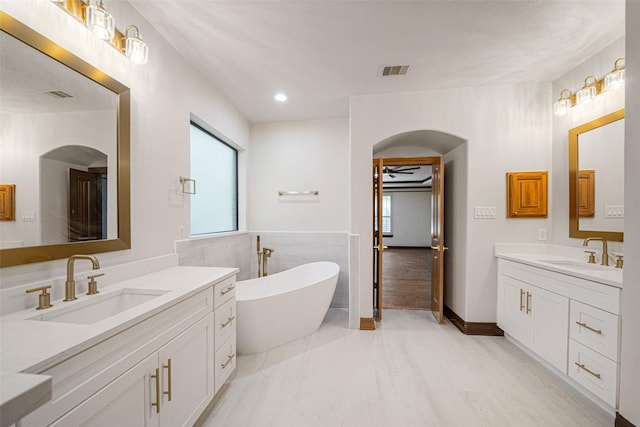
point(280, 97)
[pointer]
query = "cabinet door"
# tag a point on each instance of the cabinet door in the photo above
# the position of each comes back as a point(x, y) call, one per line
point(517, 314)
point(187, 374)
point(550, 326)
point(124, 402)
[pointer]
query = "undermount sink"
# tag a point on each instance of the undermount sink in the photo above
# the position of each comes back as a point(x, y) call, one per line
point(100, 307)
point(573, 264)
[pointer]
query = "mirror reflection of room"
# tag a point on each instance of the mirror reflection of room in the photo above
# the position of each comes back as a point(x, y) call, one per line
point(58, 134)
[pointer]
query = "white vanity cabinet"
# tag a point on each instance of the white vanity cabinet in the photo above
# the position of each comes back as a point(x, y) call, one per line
point(225, 332)
point(570, 322)
point(160, 372)
point(536, 318)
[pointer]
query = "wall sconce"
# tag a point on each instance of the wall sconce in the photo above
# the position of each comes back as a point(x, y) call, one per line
point(615, 79)
point(563, 104)
point(93, 14)
point(100, 21)
point(588, 92)
point(134, 48)
point(591, 89)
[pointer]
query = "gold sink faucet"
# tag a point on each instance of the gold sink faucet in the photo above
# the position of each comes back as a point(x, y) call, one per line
point(605, 252)
point(70, 284)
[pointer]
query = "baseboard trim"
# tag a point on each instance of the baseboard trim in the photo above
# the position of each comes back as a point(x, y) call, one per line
point(622, 421)
point(473, 328)
point(367, 324)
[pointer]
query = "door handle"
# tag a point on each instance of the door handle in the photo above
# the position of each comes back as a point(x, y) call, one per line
point(379, 248)
point(168, 367)
point(437, 248)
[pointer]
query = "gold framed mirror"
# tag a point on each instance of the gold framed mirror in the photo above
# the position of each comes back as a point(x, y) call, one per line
point(596, 178)
point(53, 67)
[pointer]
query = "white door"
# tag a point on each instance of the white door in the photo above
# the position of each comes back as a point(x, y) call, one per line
point(551, 327)
point(518, 321)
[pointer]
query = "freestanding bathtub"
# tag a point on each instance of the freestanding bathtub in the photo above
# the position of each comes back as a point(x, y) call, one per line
point(283, 307)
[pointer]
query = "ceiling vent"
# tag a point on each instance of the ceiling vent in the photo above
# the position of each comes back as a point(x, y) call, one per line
point(59, 94)
point(392, 70)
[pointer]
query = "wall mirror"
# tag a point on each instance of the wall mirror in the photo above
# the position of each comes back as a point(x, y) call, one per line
point(596, 178)
point(64, 137)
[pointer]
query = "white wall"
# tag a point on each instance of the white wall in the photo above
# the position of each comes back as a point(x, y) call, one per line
point(507, 129)
point(163, 94)
point(630, 368)
point(598, 65)
point(410, 218)
point(298, 156)
point(456, 179)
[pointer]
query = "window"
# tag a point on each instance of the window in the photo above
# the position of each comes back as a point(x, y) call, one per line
point(214, 167)
point(386, 213)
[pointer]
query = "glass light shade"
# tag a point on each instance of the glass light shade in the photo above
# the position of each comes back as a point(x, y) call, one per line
point(561, 106)
point(100, 21)
point(614, 80)
point(586, 95)
point(136, 50)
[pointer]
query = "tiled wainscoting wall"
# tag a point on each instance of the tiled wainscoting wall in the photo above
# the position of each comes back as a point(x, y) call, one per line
point(291, 249)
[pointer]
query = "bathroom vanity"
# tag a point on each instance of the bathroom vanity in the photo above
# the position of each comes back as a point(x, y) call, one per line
point(566, 313)
point(157, 359)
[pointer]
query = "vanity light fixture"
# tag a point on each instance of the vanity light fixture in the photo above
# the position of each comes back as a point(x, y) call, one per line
point(93, 14)
point(588, 92)
point(615, 79)
point(134, 48)
point(100, 21)
point(563, 104)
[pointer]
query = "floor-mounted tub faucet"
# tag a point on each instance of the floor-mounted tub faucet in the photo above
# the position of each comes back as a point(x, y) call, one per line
point(263, 256)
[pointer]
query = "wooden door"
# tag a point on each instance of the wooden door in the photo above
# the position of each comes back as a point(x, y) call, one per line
point(437, 241)
point(85, 205)
point(378, 246)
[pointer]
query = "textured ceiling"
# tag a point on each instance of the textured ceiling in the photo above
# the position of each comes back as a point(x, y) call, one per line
point(322, 52)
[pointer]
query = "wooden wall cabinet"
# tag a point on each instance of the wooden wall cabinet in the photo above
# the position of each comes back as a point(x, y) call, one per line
point(527, 194)
point(7, 202)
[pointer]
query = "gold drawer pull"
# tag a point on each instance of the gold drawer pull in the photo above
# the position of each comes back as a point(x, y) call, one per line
point(157, 378)
point(168, 368)
point(229, 320)
point(521, 303)
point(229, 289)
point(528, 303)
point(229, 359)
point(581, 366)
point(584, 325)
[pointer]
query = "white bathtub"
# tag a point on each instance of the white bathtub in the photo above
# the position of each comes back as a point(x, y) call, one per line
point(283, 307)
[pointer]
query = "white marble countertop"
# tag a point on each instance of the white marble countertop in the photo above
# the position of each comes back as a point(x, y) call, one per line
point(565, 260)
point(21, 394)
point(31, 346)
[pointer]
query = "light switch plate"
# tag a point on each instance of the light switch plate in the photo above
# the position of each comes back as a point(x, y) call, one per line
point(614, 211)
point(484, 212)
point(28, 216)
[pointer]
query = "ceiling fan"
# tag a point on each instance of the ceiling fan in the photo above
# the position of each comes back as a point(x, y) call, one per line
point(392, 171)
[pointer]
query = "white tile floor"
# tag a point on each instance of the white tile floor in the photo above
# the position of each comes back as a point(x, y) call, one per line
point(408, 372)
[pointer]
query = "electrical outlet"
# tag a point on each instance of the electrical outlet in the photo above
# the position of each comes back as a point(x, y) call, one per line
point(542, 234)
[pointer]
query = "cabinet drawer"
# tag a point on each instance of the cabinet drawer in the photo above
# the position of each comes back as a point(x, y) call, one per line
point(225, 322)
point(225, 361)
point(595, 328)
point(224, 291)
point(597, 373)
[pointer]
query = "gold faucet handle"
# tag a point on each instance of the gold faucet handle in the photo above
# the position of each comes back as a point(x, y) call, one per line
point(44, 299)
point(592, 256)
point(619, 261)
point(93, 285)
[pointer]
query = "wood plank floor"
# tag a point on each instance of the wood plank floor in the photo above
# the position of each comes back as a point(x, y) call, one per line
point(408, 372)
point(406, 278)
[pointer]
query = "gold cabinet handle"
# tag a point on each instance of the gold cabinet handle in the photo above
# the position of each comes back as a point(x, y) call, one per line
point(521, 303)
point(528, 303)
point(157, 378)
point(584, 325)
point(581, 366)
point(229, 289)
point(229, 320)
point(229, 359)
point(168, 368)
